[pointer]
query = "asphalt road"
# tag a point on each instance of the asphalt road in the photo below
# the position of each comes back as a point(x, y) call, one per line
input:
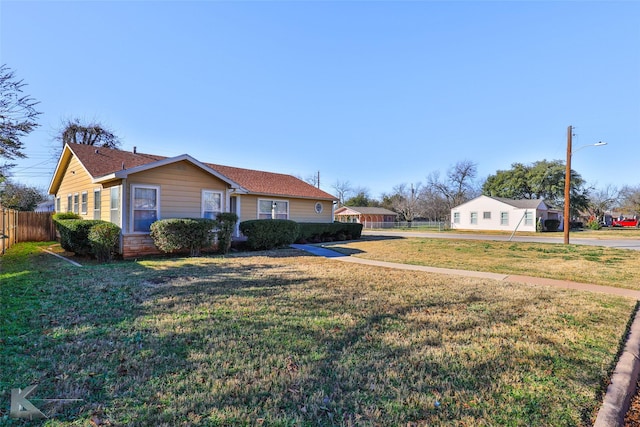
point(574, 238)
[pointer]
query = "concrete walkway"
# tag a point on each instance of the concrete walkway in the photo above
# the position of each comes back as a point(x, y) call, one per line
point(625, 375)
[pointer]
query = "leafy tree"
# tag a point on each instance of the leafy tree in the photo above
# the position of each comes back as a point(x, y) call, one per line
point(17, 114)
point(539, 180)
point(75, 132)
point(459, 185)
point(20, 197)
point(362, 198)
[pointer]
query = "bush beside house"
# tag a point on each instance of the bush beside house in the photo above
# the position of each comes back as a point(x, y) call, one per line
point(275, 233)
point(84, 237)
point(269, 233)
point(181, 234)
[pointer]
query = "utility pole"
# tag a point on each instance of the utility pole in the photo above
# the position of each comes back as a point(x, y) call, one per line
point(567, 187)
point(318, 179)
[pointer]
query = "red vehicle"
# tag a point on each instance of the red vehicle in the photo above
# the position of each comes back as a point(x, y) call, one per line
point(625, 222)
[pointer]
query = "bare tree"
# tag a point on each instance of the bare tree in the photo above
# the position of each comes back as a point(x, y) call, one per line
point(17, 115)
point(405, 201)
point(602, 200)
point(75, 132)
point(630, 199)
point(343, 189)
point(459, 185)
point(434, 205)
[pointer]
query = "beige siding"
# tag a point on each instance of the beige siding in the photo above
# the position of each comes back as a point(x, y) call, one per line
point(75, 181)
point(300, 210)
point(248, 208)
point(181, 186)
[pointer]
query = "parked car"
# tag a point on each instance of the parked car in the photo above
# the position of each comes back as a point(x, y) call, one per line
point(625, 222)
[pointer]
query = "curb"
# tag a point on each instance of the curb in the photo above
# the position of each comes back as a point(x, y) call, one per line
point(623, 382)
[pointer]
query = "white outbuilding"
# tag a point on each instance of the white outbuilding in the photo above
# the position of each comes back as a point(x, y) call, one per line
point(497, 213)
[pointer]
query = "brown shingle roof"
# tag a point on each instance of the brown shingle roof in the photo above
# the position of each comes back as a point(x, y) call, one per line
point(270, 183)
point(100, 162)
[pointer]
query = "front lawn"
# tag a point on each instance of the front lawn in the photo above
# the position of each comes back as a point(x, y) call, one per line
point(579, 263)
point(285, 339)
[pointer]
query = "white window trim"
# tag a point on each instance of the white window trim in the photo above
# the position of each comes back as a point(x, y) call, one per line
point(131, 207)
point(84, 202)
point(98, 211)
point(456, 217)
point(472, 216)
point(222, 200)
point(118, 208)
point(504, 216)
point(528, 218)
point(76, 203)
point(272, 200)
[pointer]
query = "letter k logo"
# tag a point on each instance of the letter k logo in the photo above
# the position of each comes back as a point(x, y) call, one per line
point(21, 407)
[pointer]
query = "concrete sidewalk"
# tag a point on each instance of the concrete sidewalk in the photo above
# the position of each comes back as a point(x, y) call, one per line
point(625, 375)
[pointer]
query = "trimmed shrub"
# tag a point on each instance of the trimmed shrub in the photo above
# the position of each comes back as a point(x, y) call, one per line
point(179, 234)
point(269, 233)
point(226, 223)
point(103, 239)
point(551, 224)
point(65, 215)
point(74, 234)
point(322, 232)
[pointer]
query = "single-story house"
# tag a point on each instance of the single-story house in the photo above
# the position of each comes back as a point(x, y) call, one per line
point(133, 190)
point(46, 206)
point(367, 216)
point(497, 213)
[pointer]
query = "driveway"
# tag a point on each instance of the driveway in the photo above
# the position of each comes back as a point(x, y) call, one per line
point(575, 239)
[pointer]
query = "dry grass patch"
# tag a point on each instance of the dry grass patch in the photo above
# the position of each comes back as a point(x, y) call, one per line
point(579, 263)
point(284, 339)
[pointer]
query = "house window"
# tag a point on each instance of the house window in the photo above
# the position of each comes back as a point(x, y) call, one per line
point(69, 203)
point(75, 203)
point(276, 209)
point(504, 218)
point(114, 206)
point(96, 203)
point(528, 218)
point(486, 215)
point(84, 199)
point(474, 217)
point(145, 207)
point(58, 204)
point(456, 217)
point(211, 204)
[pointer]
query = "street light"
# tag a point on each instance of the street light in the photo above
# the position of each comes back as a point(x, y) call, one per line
point(567, 181)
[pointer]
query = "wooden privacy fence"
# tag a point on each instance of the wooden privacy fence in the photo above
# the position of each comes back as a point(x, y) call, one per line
point(25, 227)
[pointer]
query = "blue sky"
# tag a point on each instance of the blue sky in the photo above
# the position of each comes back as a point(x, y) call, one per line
point(372, 92)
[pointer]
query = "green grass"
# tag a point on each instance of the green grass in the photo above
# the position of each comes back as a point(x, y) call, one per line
point(284, 339)
point(588, 264)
